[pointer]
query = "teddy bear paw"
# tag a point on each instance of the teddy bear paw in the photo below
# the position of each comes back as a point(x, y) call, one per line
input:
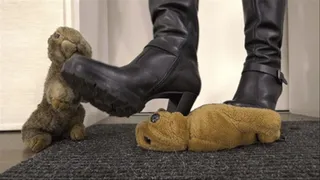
point(77, 132)
point(269, 138)
point(39, 142)
point(59, 104)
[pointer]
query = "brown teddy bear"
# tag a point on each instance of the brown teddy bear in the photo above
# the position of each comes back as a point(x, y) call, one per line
point(60, 113)
point(210, 127)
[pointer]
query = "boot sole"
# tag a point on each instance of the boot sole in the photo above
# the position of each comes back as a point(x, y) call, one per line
point(106, 95)
point(109, 96)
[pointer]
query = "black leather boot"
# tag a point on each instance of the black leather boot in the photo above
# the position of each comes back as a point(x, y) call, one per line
point(166, 68)
point(261, 81)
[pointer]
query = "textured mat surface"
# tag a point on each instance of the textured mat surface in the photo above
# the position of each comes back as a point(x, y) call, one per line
point(110, 152)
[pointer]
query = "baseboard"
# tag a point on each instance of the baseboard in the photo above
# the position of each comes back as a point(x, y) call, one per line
point(89, 120)
point(144, 114)
point(11, 127)
point(283, 111)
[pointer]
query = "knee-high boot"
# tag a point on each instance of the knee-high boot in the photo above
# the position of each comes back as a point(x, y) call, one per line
point(261, 81)
point(166, 68)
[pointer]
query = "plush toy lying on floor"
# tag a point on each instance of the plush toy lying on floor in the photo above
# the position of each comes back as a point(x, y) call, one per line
point(210, 127)
point(60, 113)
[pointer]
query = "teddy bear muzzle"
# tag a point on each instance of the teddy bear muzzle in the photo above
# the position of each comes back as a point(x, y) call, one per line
point(68, 48)
point(153, 140)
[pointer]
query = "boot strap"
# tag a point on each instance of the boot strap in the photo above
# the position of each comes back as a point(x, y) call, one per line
point(266, 69)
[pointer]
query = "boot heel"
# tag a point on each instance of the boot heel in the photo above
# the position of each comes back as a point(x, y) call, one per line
point(181, 102)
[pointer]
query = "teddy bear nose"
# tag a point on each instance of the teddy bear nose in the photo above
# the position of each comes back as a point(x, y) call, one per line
point(154, 118)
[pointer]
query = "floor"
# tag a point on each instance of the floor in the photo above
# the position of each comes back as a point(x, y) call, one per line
point(12, 150)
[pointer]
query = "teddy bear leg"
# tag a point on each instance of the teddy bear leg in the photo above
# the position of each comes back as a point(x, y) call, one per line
point(36, 140)
point(270, 137)
point(77, 132)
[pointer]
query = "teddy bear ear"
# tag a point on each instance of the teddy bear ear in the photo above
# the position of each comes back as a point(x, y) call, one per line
point(161, 109)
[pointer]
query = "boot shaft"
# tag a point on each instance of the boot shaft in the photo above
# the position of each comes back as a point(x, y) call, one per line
point(175, 21)
point(261, 81)
point(264, 31)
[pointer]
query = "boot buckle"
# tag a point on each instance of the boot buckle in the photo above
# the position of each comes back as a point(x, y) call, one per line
point(276, 73)
point(280, 77)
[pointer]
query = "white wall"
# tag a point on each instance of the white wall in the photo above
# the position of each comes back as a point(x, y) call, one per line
point(129, 31)
point(304, 57)
point(24, 29)
point(221, 45)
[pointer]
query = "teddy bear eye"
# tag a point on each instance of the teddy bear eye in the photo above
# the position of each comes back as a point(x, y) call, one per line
point(56, 35)
point(154, 118)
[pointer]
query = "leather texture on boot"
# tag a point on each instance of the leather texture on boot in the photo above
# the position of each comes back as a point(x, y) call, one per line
point(166, 68)
point(261, 81)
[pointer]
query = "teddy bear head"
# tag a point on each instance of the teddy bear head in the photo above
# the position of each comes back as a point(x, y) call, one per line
point(163, 131)
point(65, 42)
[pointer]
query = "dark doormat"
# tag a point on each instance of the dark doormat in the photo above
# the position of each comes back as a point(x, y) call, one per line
point(110, 152)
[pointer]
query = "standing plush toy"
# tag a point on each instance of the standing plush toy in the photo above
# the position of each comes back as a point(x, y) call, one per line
point(60, 113)
point(210, 127)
